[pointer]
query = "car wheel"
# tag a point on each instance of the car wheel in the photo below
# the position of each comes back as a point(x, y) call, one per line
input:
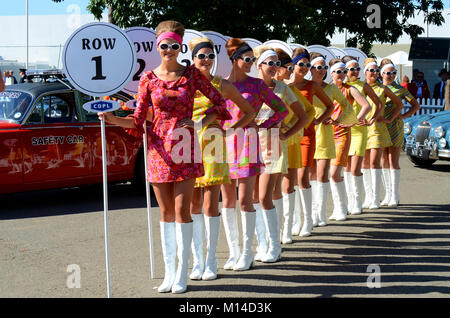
point(421, 162)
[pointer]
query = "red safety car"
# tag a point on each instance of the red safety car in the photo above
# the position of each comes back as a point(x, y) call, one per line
point(47, 139)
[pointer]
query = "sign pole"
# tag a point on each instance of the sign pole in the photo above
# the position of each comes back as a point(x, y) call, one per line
point(149, 204)
point(105, 204)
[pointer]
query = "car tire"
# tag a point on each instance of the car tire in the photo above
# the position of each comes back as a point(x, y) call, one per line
point(421, 162)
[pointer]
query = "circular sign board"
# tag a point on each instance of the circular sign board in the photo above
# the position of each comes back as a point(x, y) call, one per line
point(360, 57)
point(253, 43)
point(339, 53)
point(328, 54)
point(223, 61)
point(293, 46)
point(280, 45)
point(147, 56)
point(99, 59)
point(185, 56)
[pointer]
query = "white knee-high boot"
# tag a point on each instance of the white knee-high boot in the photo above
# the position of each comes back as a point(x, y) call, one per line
point(198, 264)
point(338, 194)
point(376, 179)
point(230, 225)
point(184, 239)
point(245, 261)
point(271, 221)
point(297, 220)
point(367, 180)
point(395, 183)
point(288, 213)
point(386, 177)
point(306, 197)
point(357, 188)
point(322, 196)
point(278, 204)
point(169, 251)
point(212, 226)
point(314, 204)
point(261, 235)
point(349, 190)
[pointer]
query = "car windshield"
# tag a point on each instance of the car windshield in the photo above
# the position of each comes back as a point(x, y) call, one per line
point(13, 105)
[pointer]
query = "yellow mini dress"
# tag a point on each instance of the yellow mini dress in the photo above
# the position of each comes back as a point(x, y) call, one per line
point(359, 133)
point(378, 134)
point(325, 145)
point(278, 162)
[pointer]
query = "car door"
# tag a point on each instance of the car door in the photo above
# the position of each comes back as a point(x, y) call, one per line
point(121, 148)
point(56, 145)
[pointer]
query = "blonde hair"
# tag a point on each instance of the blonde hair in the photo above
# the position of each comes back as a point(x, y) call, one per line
point(170, 26)
point(260, 49)
point(369, 60)
point(195, 41)
point(385, 61)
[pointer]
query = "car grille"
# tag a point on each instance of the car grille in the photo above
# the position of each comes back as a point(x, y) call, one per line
point(422, 132)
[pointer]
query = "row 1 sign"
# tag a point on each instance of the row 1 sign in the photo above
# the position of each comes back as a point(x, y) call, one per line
point(116, 59)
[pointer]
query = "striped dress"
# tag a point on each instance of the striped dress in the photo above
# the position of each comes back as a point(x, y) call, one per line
point(396, 127)
point(213, 150)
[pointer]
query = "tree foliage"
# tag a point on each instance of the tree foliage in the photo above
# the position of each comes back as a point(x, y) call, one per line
point(301, 21)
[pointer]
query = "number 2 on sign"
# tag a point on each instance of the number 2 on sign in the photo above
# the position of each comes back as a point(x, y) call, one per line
point(98, 68)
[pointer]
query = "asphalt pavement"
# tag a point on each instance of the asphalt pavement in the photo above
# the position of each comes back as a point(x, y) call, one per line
point(52, 245)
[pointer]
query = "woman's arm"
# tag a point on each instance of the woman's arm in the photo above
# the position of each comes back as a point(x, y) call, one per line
point(361, 100)
point(378, 104)
point(320, 93)
point(229, 91)
point(301, 122)
point(415, 106)
point(274, 102)
point(397, 101)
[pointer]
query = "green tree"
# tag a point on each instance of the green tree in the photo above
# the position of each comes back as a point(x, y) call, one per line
point(303, 21)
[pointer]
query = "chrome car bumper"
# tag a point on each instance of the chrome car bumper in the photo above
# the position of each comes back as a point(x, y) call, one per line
point(426, 150)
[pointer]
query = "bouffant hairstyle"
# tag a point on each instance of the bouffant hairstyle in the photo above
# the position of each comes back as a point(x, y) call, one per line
point(260, 49)
point(282, 55)
point(385, 61)
point(170, 26)
point(315, 54)
point(334, 61)
point(233, 44)
point(369, 60)
point(348, 58)
point(194, 42)
point(299, 51)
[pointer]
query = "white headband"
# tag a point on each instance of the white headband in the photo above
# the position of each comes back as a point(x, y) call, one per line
point(351, 62)
point(265, 55)
point(336, 66)
point(369, 65)
point(386, 66)
point(317, 59)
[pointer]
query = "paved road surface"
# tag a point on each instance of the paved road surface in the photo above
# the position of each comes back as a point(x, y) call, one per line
point(42, 233)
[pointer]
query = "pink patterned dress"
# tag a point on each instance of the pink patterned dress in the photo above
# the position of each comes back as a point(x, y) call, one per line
point(243, 150)
point(174, 153)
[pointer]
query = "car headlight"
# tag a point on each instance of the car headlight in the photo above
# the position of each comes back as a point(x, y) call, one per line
point(442, 143)
point(439, 132)
point(407, 129)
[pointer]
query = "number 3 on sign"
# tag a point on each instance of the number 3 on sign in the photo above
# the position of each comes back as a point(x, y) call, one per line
point(98, 68)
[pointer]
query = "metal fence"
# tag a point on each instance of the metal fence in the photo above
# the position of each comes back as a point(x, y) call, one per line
point(427, 106)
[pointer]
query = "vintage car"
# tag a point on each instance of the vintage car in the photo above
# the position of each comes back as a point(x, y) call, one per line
point(47, 140)
point(427, 138)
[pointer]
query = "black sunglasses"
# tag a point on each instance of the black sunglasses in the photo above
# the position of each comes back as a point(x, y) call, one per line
point(272, 63)
point(248, 59)
point(320, 67)
point(174, 46)
point(203, 56)
point(354, 69)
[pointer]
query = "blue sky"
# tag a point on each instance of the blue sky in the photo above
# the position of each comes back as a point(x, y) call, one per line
point(37, 7)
